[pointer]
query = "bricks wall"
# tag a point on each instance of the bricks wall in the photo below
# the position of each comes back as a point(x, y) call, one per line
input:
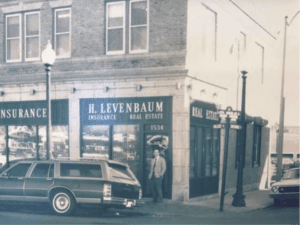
point(168, 25)
point(167, 33)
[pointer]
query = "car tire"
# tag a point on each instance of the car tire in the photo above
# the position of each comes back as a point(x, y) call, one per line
point(63, 203)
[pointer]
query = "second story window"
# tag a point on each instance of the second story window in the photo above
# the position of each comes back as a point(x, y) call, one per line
point(127, 26)
point(62, 33)
point(32, 36)
point(15, 40)
point(138, 26)
point(115, 33)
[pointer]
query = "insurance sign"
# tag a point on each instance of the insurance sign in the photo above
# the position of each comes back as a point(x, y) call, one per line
point(124, 110)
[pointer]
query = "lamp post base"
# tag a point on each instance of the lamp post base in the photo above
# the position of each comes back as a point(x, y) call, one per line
point(238, 200)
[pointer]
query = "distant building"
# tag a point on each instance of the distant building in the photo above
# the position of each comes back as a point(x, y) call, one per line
point(137, 75)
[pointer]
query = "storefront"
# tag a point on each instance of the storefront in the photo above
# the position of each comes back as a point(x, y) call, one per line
point(23, 129)
point(204, 149)
point(128, 130)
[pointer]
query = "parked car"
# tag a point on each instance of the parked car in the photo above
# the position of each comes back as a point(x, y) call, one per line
point(287, 188)
point(65, 184)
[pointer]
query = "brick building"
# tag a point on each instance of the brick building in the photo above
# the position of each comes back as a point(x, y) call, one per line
point(135, 75)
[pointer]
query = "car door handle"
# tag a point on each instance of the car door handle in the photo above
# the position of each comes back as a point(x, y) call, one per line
point(20, 178)
point(48, 178)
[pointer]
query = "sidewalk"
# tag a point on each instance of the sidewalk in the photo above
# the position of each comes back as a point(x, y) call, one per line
point(205, 206)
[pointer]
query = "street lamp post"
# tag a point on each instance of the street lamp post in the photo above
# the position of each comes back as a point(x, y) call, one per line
point(238, 197)
point(48, 57)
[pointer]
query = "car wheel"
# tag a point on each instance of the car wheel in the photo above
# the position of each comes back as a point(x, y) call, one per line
point(63, 203)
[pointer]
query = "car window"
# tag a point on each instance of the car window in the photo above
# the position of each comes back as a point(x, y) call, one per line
point(120, 172)
point(51, 171)
point(80, 170)
point(41, 170)
point(291, 174)
point(19, 170)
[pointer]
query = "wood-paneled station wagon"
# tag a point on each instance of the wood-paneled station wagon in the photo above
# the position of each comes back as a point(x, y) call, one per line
point(65, 184)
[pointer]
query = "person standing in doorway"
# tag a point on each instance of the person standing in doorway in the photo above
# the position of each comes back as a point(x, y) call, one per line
point(157, 171)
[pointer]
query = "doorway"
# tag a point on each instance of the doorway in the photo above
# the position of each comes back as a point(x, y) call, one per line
point(204, 161)
point(161, 142)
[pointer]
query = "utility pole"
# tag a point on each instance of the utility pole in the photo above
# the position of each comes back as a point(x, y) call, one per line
point(279, 142)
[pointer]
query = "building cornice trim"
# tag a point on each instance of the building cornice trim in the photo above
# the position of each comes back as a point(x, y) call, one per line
point(22, 7)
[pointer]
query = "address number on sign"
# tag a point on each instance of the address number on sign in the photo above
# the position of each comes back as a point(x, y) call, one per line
point(156, 127)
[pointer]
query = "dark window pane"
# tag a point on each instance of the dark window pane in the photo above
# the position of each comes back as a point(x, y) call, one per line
point(115, 40)
point(19, 170)
point(40, 170)
point(32, 47)
point(192, 152)
point(13, 49)
point(199, 152)
point(215, 153)
point(115, 22)
point(80, 170)
point(32, 24)
point(120, 172)
point(139, 13)
point(63, 45)
point(63, 21)
point(13, 27)
point(51, 171)
point(208, 153)
point(138, 38)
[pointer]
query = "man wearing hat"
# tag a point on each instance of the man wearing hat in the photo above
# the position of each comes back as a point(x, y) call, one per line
point(157, 171)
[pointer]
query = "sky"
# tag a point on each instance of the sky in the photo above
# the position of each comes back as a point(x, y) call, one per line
point(271, 15)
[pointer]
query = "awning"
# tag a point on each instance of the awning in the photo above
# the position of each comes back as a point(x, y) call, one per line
point(203, 113)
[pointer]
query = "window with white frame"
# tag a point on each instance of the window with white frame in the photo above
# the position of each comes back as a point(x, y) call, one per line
point(127, 26)
point(32, 36)
point(138, 26)
point(15, 40)
point(62, 33)
point(256, 145)
point(115, 27)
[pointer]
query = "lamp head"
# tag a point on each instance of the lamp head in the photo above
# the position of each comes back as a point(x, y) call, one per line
point(244, 72)
point(48, 55)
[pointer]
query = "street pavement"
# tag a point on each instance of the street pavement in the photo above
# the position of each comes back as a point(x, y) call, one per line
point(205, 206)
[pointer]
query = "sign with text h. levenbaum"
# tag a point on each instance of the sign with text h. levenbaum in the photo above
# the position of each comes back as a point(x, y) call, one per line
point(95, 111)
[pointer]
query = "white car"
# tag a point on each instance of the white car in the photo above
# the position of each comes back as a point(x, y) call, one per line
point(287, 188)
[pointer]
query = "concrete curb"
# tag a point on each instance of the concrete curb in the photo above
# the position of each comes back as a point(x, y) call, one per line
point(205, 206)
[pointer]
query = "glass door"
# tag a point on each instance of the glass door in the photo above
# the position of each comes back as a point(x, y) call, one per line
point(154, 141)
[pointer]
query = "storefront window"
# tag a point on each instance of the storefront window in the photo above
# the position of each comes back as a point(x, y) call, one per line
point(200, 153)
point(95, 141)
point(59, 142)
point(125, 146)
point(22, 142)
point(2, 145)
point(192, 152)
point(216, 153)
point(204, 156)
point(208, 152)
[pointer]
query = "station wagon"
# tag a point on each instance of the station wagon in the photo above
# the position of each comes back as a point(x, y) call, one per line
point(66, 184)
